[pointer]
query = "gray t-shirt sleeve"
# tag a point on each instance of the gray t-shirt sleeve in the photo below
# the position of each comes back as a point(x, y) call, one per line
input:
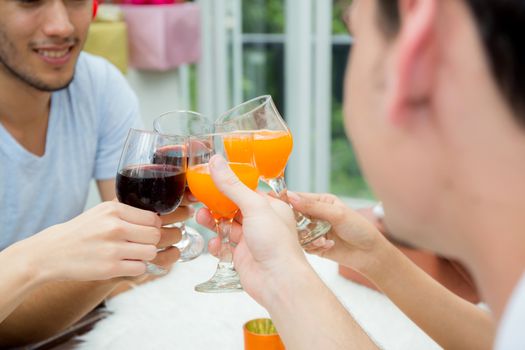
point(118, 112)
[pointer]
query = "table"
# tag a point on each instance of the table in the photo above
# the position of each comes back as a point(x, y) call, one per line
point(168, 314)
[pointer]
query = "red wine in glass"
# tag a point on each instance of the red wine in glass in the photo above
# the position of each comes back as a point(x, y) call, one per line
point(155, 187)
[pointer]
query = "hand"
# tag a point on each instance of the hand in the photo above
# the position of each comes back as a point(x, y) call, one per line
point(168, 255)
point(268, 248)
point(110, 240)
point(352, 241)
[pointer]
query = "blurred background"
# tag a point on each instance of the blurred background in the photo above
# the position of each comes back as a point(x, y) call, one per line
point(209, 55)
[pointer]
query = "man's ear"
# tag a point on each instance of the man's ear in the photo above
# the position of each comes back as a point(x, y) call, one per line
point(413, 62)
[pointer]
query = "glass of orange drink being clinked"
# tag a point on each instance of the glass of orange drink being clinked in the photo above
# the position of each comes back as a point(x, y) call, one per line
point(272, 145)
point(201, 149)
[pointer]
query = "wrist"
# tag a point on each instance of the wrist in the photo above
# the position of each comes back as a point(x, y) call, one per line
point(28, 270)
point(286, 284)
point(374, 259)
point(381, 262)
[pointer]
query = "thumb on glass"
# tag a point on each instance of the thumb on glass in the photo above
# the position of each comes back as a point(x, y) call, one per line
point(230, 185)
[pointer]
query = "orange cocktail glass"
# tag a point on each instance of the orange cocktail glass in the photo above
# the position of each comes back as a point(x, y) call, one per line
point(272, 146)
point(201, 149)
point(203, 188)
point(271, 149)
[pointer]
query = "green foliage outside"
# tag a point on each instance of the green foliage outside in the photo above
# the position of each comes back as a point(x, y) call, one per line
point(268, 16)
point(263, 16)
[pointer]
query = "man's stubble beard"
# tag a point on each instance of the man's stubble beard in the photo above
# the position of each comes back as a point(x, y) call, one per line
point(25, 77)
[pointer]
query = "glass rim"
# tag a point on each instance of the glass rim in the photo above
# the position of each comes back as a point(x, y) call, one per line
point(156, 121)
point(187, 111)
point(222, 133)
point(156, 134)
point(265, 98)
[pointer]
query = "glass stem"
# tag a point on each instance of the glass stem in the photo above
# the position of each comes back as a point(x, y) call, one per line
point(224, 227)
point(184, 236)
point(278, 185)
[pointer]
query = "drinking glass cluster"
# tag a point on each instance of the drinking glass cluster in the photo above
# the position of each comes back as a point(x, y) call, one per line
point(156, 167)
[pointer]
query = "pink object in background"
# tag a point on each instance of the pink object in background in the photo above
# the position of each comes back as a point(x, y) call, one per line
point(162, 37)
point(151, 2)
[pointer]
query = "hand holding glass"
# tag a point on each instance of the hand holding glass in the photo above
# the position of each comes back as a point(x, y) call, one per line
point(144, 181)
point(201, 149)
point(272, 146)
point(184, 123)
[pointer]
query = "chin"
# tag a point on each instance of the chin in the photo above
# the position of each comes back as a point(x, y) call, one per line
point(52, 85)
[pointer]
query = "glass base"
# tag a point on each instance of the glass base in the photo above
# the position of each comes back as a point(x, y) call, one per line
point(224, 280)
point(155, 270)
point(309, 230)
point(191, 245)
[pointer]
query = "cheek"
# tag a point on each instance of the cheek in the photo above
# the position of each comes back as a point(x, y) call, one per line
point(360, 102)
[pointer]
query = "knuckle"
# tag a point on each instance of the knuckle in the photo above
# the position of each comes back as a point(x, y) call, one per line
point(156, 235)
point(330, 196)
point(112, 269)
point(150, 252)
point(154, 219)
point(112, 251)
point(111, 208)
point(138, 269)
point(232, 180)
point(116, 227)
point(338, 214)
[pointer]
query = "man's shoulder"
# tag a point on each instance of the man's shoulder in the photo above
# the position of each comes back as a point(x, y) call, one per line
point(97, 72)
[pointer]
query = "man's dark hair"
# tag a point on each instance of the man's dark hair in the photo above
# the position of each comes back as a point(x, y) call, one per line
point(500, 24)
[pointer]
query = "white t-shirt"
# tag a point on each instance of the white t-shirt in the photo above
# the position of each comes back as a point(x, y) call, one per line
point(88, 123)
point(511, 332)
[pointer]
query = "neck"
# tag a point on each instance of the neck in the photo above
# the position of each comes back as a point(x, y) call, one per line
point(497, 273)
point(20, 104)
point(492, 204)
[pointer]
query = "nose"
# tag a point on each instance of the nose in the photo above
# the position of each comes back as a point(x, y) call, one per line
point(57, 21)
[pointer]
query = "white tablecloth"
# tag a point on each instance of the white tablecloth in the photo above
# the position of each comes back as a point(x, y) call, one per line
point(168, 314)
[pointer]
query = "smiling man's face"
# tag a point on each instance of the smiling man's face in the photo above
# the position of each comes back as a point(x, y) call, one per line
point(40, 40)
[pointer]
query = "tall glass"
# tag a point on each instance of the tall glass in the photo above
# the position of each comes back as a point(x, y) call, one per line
point(201, 148)
point(146, 182)
point(184, 123)
point(272, 147)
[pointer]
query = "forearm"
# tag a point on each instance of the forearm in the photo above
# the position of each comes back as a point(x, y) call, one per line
point(309, 316)
point(451, 321)
point(17, 281)
point(52, 308)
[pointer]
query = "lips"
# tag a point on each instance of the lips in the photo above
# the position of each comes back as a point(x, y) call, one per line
point(56, 56)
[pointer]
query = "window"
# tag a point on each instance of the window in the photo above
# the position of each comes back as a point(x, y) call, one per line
point(297, 58)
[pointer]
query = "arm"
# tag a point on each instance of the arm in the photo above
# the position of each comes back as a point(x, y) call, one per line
point(106, 189)
point(17, 281)
point(274, 271)
point(44, 308)
point(309, 316)
point(103, 245)
point(52, 308)
point(354, 242)
point(450, 320)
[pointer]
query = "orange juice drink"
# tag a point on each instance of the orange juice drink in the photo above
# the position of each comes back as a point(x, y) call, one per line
point(203, 188)
point(272, 150)
point(239, 147)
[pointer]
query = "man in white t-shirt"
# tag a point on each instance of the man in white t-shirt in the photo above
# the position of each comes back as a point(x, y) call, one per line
point(64, 116)
point(435, 109)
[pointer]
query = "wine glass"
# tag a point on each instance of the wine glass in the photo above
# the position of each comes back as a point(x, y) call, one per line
point(183, 123)
point(272, 147)
point(201, 149)
point(157, 186)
